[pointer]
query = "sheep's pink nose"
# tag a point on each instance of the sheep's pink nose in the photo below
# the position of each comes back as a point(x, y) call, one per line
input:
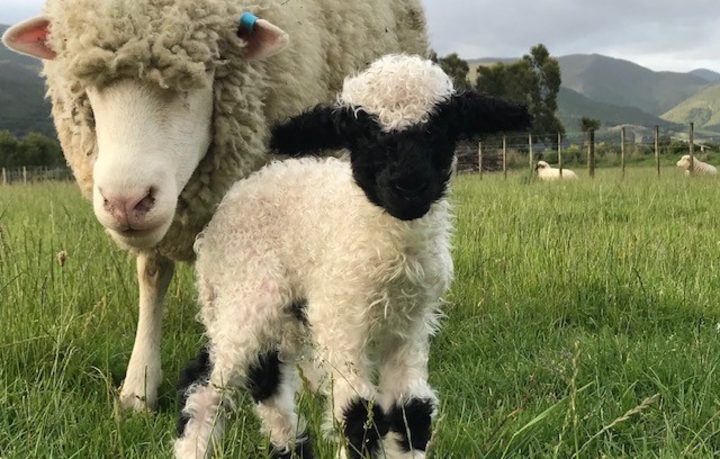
point(129, 210)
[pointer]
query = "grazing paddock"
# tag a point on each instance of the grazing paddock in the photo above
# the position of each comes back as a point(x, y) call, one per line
point(584, 320)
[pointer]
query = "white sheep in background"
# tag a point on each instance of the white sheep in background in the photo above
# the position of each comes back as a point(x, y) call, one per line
point(700, 168)
point(549, 173)
point(352, 257)
point(160, 105)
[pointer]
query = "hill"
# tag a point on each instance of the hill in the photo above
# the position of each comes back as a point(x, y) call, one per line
point(22, 94)
point(703, 109)
point(619, 82)
point(572, 106)
point(707, 75)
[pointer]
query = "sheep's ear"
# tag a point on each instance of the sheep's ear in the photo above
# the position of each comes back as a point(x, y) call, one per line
point(321, 128)
point(263, 38)
point(470, 114)
point(30, 38)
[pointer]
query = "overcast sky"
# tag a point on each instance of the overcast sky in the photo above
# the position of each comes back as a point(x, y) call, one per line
point(678, 35)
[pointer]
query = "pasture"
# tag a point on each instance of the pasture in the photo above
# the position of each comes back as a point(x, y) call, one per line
point(583, 322)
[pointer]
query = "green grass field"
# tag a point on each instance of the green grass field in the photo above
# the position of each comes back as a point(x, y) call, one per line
point(583, 322)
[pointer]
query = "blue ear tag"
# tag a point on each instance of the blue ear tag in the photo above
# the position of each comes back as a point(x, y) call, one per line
point(247, 22)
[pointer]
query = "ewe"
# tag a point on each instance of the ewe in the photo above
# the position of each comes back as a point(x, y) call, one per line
point(546, 172)
point(161, 105)
point(350, 257)
point(699, 167)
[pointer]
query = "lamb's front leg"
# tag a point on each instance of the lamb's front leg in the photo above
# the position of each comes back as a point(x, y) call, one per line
point(144, 372)
point(407, 398)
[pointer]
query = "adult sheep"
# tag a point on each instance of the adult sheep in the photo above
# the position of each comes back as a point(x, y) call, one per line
point(693, 166)
point(160, 105)
point(548, 173)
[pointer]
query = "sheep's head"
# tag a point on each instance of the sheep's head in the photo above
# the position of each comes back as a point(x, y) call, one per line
point(402, 140)
point(684, 162)
point(542, 165)
point(144, 74)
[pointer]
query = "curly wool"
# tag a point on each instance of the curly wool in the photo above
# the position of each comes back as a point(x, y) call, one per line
point(173, 43)
point(406, 99)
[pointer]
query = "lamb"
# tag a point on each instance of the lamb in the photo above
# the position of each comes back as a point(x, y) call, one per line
point(350, 258)
point(694, 166)
point(160, 105)
point(549, 173)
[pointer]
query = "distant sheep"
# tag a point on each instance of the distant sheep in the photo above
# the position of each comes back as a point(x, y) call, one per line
point(699, 167)
point(351, 257)
point(548, 173)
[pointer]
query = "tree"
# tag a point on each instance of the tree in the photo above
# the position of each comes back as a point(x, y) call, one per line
point(589, 124)
point(457, 69)
point(34, 149)
point(534, 80)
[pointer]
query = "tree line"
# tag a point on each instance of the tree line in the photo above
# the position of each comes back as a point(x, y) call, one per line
point(34, 149)
point(533, 80)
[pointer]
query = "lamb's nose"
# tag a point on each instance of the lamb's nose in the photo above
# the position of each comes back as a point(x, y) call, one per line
point(410, 188)
point(129, 210)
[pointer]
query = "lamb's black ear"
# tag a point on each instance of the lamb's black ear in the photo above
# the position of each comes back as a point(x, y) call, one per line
point(321, 128)
point(468, 114)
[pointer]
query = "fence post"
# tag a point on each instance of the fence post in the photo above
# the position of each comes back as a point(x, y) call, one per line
point(504, 156)
point(622, 150)
point(692, 148)
point(4, 176)
point(657, 149)
point(591, 153)
point(24, 175)
point(560, 161)
point(531, 154)
point(480, 159)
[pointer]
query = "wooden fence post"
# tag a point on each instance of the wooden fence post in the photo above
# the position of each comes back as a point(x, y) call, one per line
point(591, 153)
point(4, 176)
point(657, 149)
point(24, 175)
point(480, 165)
point(504, 156)
point(531, 154)
point(692, 148)
point(560, 152)
point(622, 150)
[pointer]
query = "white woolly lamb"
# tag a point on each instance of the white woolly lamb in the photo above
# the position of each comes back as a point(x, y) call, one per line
point(699, 167)
point(549, 173)
point(352, 258)
point(161, 105)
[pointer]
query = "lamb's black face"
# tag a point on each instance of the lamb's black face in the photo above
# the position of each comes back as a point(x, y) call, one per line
point(403, 172)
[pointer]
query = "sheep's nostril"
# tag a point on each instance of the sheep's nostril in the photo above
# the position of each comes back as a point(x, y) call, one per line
point(411, 188)
point(146, 204)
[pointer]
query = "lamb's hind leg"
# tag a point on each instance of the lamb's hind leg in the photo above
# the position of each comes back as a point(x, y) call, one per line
point(407, 398)
point(144, 372)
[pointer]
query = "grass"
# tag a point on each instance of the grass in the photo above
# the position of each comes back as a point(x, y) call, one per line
point(583, 322)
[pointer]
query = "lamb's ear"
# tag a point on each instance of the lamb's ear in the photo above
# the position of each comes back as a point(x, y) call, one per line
point(321, 128)
point(263, 38)
point(470, 114)
point(30, 38)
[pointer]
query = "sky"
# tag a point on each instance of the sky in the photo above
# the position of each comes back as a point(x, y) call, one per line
point(677, 35)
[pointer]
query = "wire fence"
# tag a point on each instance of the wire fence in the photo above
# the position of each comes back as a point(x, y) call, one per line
point(618, 148)
point(28, 175)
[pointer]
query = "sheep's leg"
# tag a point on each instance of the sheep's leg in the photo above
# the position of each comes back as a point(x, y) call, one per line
point(341, 347)
point(243, 329)
point(144, 372)
point(407, 398)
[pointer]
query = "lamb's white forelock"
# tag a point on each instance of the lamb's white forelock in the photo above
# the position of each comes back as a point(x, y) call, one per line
point(401, 90)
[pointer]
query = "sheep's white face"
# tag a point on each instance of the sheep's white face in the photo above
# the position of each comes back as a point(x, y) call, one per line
point(542, 165)
point(684, 162)
point(150, 141)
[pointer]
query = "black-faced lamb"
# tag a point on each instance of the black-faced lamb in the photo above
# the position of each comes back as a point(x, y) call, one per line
point(351, 258)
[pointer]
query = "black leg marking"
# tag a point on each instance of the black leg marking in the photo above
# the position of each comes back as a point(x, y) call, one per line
point(264, 376)
point(303, 450)
point(299, 311)
point(364, 429)
point(418, 414)
point(196, 371)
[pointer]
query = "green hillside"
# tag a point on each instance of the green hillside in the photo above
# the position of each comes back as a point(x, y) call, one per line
point(619, 82)
point(23, 107)
point(573, 106)
point(703, 109)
